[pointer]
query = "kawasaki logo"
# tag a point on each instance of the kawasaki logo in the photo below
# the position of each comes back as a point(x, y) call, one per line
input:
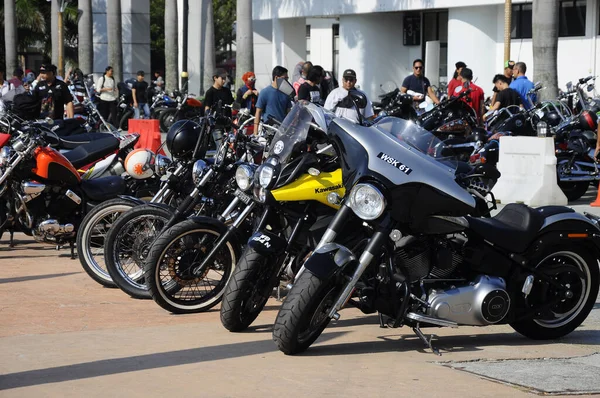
point(393, 162)
point(328, 189)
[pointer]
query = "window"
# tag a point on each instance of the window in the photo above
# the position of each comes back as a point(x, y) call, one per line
point(435, 27)
point(308, 42)
point(521, 21)
point(571, 18)
point(336, 49)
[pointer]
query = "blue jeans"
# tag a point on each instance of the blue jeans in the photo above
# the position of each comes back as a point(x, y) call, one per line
point(136, 111)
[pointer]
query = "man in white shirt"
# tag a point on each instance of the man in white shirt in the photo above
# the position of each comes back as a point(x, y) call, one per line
point(334, 99)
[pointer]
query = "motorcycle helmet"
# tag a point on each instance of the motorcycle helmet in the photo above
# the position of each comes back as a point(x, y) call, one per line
point(553, 119)
point(182, 138)
point(140, 163)
point(588, 121)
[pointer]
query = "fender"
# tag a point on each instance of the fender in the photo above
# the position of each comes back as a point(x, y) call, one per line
point(329, 260)
point(569, 227)
point(267, 243)
point(132, 199)
point(161, 206)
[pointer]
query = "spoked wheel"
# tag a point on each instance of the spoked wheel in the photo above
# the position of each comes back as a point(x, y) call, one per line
point(91, 238)
point(128, 244)
point(564, 304)
point(176, 276)
point(304, 313)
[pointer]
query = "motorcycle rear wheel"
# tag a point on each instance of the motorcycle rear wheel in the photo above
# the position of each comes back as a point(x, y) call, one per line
point(167, 119)
point(250, 287)
point(91, 238)
point(572, 266)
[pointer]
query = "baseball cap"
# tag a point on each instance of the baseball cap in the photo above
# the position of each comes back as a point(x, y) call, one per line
point(349, 73)
point(509, 64)
point(47, 68)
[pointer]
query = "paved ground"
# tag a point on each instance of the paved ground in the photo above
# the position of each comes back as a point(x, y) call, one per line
point(63, 335)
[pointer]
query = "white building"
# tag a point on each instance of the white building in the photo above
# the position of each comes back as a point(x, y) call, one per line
point(379, 39)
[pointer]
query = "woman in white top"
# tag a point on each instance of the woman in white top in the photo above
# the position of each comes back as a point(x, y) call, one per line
point(107, 87)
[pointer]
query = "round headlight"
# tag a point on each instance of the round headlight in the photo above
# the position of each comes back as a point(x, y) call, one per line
point(161, 164)
point(260, 194)
point(243, 177)
point(367, 202)
point(265, 175)
point(198, 171)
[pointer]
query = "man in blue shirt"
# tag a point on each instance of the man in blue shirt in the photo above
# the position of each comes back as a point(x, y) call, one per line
point(418, 83)
point(272, 102)
point(522, 85)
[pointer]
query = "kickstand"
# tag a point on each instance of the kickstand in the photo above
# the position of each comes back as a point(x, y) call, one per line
point(72, 246)
point(381, 323)
point(12, 239)
point(426, 341)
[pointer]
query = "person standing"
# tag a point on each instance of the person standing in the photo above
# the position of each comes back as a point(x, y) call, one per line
point(505, 96)
point(247, 95)
point(302, 79)
point(522, 84)
point(139, 93)
point(335, 100)
point(5, 85)
point(159, 83)
point(17, 78)
point(52, 94)
point(272, 102)
point(418, 83)
point(107, 88)
point(455, 82)
point(218, 92)
point(310, 90)
point(476, 95)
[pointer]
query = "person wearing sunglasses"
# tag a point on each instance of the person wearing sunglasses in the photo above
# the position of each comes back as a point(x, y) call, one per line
point(343, 108)
point(418, 83)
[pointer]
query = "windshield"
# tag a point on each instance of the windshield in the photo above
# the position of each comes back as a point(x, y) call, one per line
point(292, 133)
point(418, 138)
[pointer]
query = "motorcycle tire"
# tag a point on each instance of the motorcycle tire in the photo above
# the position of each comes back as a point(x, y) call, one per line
point(574, 190)
point(124, 121)
point(91, 238)
point(169, 277)
point(562, 264)
point(250, 287)
point(127, 245)
point(167, 119)
point(295, 329)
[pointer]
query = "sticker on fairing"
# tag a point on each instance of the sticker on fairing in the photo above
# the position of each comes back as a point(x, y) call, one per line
point(278, 148)
point(396, 163)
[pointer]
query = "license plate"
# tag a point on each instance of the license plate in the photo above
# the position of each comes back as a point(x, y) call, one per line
point(244, 197)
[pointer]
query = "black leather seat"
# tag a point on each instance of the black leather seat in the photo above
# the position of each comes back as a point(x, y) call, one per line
point(514, 227)
point(101, 189)
point(88, 153)
point(74, 141)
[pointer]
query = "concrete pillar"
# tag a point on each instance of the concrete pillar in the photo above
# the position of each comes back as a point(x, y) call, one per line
point(278, 43)
point(136, 38)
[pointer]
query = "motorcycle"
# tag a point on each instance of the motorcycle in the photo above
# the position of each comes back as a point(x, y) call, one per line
point(187, 107)
point(429, 262)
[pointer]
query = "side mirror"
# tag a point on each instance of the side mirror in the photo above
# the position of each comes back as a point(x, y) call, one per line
point(538, 86)
point(569, 86)
point(590, 88)
point(285, 87)
point(359, 99)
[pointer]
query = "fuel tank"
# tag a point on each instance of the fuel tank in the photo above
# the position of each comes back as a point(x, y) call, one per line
point(52, 166)
point(309, 187)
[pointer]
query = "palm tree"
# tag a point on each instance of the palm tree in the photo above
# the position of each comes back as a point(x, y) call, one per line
point(209, 40)
point(115, 46)
point(54, 29)
point(85, 45)
point(545, 46)
point(244, 40)
point(171, 47)
point(10, 35)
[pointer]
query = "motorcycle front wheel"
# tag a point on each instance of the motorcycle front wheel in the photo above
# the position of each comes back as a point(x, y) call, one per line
point(128, 244)
point(124, 121)
point(171, 268)
point(91, 238)
point(167, 118)
point(304, 313)
point(250, 287)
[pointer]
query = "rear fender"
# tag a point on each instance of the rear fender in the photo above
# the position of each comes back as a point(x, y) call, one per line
point(267, 243)
point(329, 260)
point(132, 199)
point(571, 228)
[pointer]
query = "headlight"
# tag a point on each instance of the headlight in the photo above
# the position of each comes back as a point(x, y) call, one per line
point(161, 164)
point(367, 202)
point(265, 175)
point(198, 171)
point(243, 177)
point(260, 194)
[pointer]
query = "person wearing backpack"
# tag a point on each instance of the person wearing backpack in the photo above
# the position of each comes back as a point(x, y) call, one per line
point(107, 88)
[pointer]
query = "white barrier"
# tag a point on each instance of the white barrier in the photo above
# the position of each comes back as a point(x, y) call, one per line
point(528, 168)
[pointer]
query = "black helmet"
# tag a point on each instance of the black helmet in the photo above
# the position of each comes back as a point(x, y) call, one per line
point(588, 120)
point(182, 138)
point(552, 118)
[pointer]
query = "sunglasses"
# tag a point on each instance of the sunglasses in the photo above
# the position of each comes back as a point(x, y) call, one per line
point(417, 67)
point(349, 79)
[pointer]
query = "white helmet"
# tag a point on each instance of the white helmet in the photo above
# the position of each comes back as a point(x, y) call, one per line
point(140, 163)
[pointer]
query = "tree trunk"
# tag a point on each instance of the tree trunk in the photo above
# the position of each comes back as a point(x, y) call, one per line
point(209, 40)
point(10, 37)
point(54, 26)
point(171, 46)
point(84, 29)
point(244, 40)
point(115, 40)
point(545, 46)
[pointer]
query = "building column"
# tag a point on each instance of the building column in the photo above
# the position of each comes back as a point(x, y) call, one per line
point(136, 38)
point(277, 33)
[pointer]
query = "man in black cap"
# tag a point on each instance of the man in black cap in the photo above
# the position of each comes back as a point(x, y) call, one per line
point(52, 94)
point(218, 92)
point(418, 83)
point(334, 101)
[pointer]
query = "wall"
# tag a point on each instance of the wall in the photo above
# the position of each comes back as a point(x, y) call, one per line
point(472, 39)
point(262, 53)
point(372, 45)
point(321, 41)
